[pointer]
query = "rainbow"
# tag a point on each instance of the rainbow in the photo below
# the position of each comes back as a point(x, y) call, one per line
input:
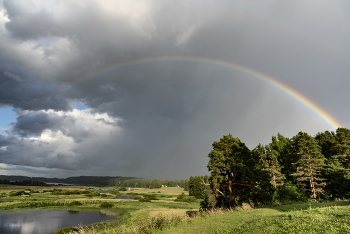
point(308, 103)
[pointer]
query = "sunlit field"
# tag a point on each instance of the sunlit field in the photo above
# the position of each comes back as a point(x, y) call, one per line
point(164, 214)
point(161, 202)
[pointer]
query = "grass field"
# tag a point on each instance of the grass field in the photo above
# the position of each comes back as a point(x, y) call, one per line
point(132, 211)
point(167, 216)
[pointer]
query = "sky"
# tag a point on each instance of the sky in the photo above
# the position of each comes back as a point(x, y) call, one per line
point(143, 87)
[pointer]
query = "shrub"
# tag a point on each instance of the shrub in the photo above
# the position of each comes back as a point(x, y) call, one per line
point(106, 205)
point(115, 192)
point(103, 195)
point(85, 192)
point(75, 203)
point(95, 194)
point(137, 198)
point(183, 198)
point(122, 189)
point(17, 193)
point(289, 192)
point(144, 199)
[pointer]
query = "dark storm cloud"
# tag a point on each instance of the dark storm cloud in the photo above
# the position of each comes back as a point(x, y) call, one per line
point(26, 93)
point(34, 123)
point(170, 111)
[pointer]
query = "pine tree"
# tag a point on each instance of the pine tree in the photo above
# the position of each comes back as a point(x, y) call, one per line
point(310, 163)
point(273, 167)
point(337, 172)
point(191, 186)
point(327, 142)
point(342, 147)
point(268, 161)
point(232, 170)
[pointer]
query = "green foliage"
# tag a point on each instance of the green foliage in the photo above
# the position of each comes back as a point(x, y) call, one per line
point(144, 199)
point(234, 173)
point(17, 193)
point(151, 196)
point(24, 183)
point(310, 164)
point(183, 198)
point(75, 203)
point(197, 186)
point(115, 192)
point(106, 205)
point(289, 192)
point(122, 189)
point(34, 204)
point(69, 192)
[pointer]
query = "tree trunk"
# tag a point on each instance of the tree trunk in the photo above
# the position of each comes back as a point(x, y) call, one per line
point(229, 187)
point(312, 184)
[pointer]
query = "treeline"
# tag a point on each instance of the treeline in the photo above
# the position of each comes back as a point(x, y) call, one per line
point(103, 181)
point(24, 182)
point(150, 183)
point(296, 169)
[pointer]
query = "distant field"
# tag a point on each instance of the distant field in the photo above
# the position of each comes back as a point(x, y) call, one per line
point(167, 190)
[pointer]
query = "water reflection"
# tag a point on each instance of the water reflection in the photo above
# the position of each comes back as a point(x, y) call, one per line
point(46, 221)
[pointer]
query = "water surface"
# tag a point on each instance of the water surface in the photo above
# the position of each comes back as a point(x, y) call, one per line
point(46, 221)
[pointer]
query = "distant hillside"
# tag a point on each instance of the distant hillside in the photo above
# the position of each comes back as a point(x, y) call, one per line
point(80, 180)
point(103, 181)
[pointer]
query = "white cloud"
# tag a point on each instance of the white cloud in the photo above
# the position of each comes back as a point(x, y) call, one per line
point(75, 142)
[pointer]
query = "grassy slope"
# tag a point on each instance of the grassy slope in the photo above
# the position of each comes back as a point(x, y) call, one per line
point(331, 217)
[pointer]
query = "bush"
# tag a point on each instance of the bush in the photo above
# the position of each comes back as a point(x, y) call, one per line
point(137, 198)
point(144, 199)
point(106, 205)
point(183, 198)
point(103, 195)
point(115, 192)
point(289, 192)
point(17, 193)
point(75, 203)
point(122, 189)
point(34, 191)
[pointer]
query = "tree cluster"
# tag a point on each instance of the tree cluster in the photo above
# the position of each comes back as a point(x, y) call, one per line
point(118, 181)
point(300, 168)
point(197, 187)
point(24, 182)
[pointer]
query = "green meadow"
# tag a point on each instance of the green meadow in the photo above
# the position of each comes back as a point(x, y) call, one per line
point(160, 213)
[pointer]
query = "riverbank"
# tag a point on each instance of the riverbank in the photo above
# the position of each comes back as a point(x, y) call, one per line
point(81, 198)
